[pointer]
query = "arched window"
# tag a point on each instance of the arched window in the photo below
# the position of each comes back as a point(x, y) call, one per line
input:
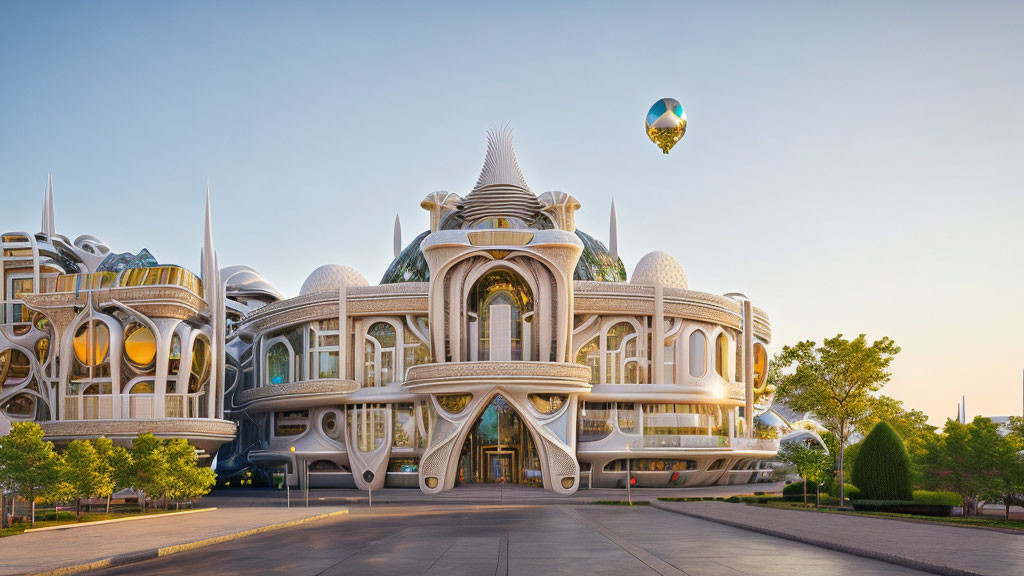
point(760, 368)
point(622, 361)
point(672, 329)
point(139, 347)
point(722, 355)
point(201, 360)
point(500, 307)
point(15, 367)
point(369, 422)
point(698, 354)
point(590, 354)
point(174, 356)
point(278, 364)
point(91, 343)
point(323, 349)
point(379, 355)
point(416, 350)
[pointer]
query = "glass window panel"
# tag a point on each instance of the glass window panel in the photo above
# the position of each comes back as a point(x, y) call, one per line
point(698, 354)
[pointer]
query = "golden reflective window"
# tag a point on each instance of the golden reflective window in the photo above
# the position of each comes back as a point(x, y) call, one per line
point(91, 343)
point(43, 349)
point(548, 403)
point(14, 367)
point(140, 346)
point(454, 403)
point(760, 367)
point(722, 355)
point(200, 365)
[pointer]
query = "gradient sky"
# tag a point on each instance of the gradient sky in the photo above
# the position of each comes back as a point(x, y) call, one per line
point(850, 168)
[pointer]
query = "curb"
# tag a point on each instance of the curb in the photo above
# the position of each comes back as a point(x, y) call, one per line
point(141, 555)
point(101, 522)
point(863, 553)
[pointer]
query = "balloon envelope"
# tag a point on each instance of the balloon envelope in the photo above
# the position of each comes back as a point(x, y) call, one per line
point(666, 123)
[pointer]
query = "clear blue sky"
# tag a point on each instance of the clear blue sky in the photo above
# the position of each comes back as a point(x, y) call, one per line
point(851, 168)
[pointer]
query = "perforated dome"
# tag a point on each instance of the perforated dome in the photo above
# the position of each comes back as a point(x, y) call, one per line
point(329, 277)
point(659, 266)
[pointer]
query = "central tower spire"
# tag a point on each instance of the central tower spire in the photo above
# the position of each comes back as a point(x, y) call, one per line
point(501, 191)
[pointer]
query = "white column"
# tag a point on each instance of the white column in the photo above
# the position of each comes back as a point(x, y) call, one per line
point(658, 352)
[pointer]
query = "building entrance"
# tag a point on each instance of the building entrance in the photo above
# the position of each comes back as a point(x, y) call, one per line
point(499, 448)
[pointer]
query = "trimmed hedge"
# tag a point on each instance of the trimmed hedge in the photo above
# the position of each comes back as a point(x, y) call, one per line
point(795, 492)
point(925, 503)
point(882, 468)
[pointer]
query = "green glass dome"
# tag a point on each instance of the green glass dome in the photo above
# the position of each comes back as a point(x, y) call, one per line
point(596, 263)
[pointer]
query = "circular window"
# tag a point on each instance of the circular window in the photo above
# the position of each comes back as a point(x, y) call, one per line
point(139, 346)
point(330, 424)
point(92, 341)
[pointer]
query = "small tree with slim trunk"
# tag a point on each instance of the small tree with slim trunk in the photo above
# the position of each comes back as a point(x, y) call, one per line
point(29, 463)
point(835, 381)
point(149, 471)
point(84, 473)
point(812, 464)
point(188, 480)
point(110, 464)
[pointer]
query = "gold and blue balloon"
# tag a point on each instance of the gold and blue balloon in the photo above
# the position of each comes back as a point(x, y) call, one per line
point(666, 123)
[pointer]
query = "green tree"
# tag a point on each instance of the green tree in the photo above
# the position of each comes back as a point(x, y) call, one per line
point(1010, 466)
point(149, 470)
point(188, 480)
point(835, 382)
point(966, 459)
point(84, 472)
point(911, 425)
point(29, 463)
point(812, 464)
point(882, 468)
point(115, 464)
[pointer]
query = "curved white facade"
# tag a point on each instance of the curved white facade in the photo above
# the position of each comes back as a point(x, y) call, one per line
point(502, 344)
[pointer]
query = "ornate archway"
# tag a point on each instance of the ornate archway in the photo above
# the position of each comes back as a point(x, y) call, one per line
point(500, 447)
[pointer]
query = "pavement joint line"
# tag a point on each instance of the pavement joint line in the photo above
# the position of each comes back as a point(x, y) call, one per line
point(502, 568)
point(650, 560)
point(113, 520)
point(854, 550)
point(149, 554)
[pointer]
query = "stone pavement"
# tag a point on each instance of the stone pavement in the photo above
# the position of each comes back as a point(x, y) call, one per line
point(49, 550)
point(519, 540)
point(935, 548)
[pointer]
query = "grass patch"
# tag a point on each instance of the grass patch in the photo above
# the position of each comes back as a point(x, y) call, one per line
point(973, 522)
point(48, 518)
point(620, 502)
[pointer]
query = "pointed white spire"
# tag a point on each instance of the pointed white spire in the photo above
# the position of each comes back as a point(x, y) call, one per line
point(207, 267)
point(613, 234)
point(500, 164)
point(398, 236)
point(49, 210)
point(45, 218)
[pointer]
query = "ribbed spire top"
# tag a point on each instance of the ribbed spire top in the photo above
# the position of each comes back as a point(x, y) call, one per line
point(501, 190)
point(500, 165)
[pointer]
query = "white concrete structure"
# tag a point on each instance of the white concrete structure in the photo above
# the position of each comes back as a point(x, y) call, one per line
point(502, 344)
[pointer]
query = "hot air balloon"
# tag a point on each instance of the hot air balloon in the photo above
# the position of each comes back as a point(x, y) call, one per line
point(666, 123)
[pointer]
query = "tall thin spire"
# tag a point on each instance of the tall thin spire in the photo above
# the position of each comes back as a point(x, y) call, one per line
point(44, 220)
point(208, 261)
point(49, 210)
point(398, 236)
point(613, 233)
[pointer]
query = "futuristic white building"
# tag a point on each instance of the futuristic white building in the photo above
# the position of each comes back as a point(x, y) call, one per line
point(502, 344)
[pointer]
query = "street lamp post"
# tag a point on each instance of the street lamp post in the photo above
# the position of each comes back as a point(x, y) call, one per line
point(629, 480)
point(287, 486)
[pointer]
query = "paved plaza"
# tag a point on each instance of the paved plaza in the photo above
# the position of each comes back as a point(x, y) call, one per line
point(533, 540)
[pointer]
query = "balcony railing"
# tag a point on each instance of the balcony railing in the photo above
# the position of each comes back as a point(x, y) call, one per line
point(134, 406)
point(685, 441)
point(152, 276)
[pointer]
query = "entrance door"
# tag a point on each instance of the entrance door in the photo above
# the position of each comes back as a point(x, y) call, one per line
point(499, 448)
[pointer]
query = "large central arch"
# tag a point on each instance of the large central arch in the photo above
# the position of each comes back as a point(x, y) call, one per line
point(500, 447)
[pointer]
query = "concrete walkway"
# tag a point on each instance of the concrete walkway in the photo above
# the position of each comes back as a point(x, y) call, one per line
point(111, 544)
point(472, 494)
point(934, 548)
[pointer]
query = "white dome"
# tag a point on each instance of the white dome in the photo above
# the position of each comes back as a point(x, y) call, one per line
point(659, 266)
point(329, 277)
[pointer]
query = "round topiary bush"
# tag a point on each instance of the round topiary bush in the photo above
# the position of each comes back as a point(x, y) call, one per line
point(882, 468)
